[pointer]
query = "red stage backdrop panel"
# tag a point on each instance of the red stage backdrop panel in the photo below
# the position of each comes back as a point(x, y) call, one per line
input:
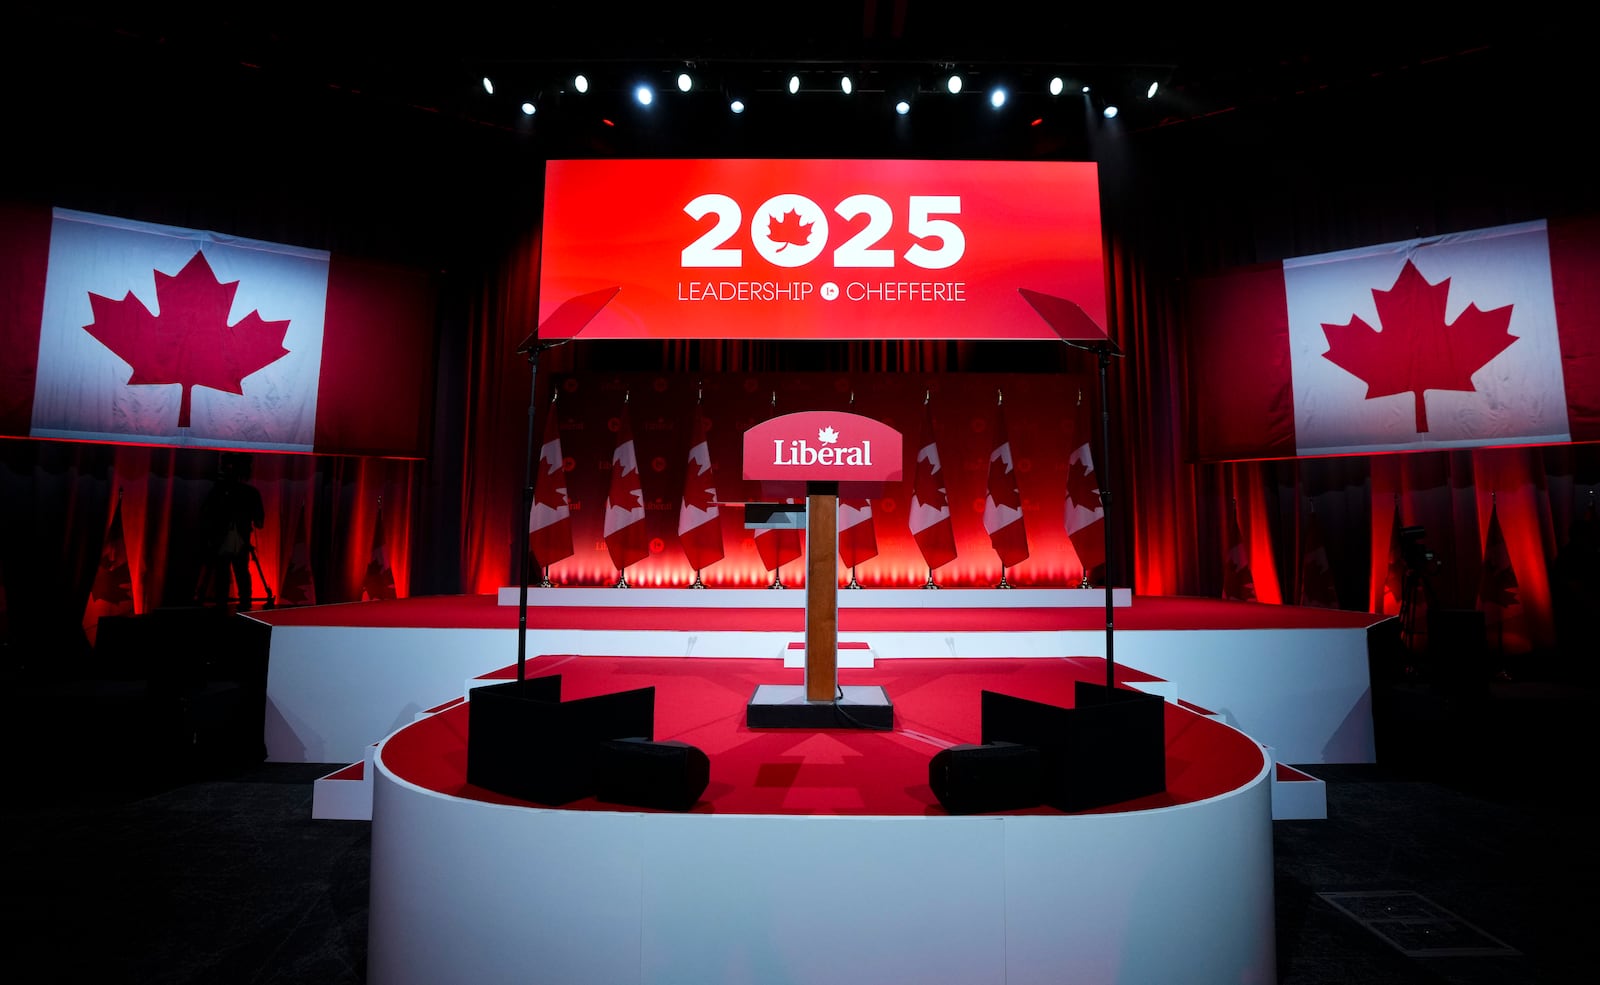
point(1043, 432)
point(823, 249)
point(1484, 337)
point(160, 335)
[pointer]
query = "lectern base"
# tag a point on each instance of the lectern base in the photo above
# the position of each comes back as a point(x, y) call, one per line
point(785, 706)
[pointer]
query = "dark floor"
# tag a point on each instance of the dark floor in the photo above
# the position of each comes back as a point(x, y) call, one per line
point(1466, 856)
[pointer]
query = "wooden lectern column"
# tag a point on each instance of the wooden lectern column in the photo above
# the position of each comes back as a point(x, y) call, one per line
point(822, 591)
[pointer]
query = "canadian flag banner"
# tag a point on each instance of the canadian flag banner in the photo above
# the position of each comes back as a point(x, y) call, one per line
point(1317, 585)
point(1490, 336)
point(112, 591)
point(858, 537)
point(152, 334)
point(625, 523)
point(930, 504)
point(1497, 586)
point(1002, 507)
point(1085, 513)
point(379, 580)
point(699, 516)
point(550, 516)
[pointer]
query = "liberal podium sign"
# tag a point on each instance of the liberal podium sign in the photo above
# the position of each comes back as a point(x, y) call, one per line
point(820, 249)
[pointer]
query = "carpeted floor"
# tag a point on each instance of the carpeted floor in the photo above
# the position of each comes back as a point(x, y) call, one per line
point(1465, 857)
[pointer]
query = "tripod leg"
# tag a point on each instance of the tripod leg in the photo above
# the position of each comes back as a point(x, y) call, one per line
point(266, 586)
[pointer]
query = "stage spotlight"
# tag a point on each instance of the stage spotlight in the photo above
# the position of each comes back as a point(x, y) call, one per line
point(1110, 112)
point(1085, 90)
point(997, 97)
point(794, 84)
point(643, 94)
point(528, 109)
point(488, 85)
point(1056, 85)
point(737, 106)
point(902, 107)
point(1150, 93)
point(954, 84)
point(684, 82)
point(845, 85)
point(580, 82)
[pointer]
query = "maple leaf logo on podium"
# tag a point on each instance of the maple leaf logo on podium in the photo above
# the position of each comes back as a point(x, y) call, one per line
point(1416, 349)
point(827, 435)
point(190, 343)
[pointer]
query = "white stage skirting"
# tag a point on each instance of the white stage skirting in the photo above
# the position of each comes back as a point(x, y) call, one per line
point(333, 690)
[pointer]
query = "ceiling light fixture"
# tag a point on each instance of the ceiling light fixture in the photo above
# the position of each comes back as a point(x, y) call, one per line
point(737, 106)
point(845, 85)
point(1056, 85)
point(997, 97)
point(794, 84)
point(685, 83)
point(643, 94)
point(954, 84)
point(1110, 112)
point(1150, 93)
point(488, 85)
point(580, 82)
point(902, 107)
point(528, 109)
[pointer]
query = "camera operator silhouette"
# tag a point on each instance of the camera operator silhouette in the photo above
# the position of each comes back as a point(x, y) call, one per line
point(230, 515)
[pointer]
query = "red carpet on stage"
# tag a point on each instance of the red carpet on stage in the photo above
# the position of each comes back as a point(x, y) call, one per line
point(827, 771)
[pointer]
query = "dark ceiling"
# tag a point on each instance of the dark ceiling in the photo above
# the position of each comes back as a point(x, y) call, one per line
point(429, 62)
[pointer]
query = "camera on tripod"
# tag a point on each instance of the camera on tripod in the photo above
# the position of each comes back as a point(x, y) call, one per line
point(1413, 552)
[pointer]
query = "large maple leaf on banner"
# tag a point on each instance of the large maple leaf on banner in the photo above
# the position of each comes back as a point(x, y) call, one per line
point(1416, 349)
point(190, 343)
point(788, 230)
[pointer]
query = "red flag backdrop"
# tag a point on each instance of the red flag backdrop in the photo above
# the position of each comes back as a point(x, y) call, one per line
point(662, 408)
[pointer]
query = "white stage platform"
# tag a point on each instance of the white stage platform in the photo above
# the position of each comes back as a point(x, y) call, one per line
point(341, 677)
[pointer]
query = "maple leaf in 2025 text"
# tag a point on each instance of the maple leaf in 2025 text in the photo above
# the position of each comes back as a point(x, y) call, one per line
point(1416, 349)
point(190, 343)
point(788, 230)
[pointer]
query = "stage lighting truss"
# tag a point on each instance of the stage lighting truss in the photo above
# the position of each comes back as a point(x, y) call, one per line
point(1029, 94)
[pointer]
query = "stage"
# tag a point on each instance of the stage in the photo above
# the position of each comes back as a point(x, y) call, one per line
point(820, 855)
point(341, 677)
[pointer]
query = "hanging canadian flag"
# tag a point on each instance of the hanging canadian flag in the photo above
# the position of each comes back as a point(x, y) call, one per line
point(699, 517)
point(112, 591)
point(379, 580)
point(1497, 587)
point(1316, 573)
point(625, 519)
point(1470, 338)
point(299, 586)
point(1002, 507)
point(1237, 582)
point(550, 516)
point(930, 504)
point(858, 537)
point(1085, 513)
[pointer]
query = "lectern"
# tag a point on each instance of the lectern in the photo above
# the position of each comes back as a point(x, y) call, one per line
point(819, 455)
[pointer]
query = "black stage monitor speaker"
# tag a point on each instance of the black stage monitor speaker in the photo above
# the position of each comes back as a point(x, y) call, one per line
point(523, 741)
point(1108, 748)
point(667, 776)
point(1000, 776)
